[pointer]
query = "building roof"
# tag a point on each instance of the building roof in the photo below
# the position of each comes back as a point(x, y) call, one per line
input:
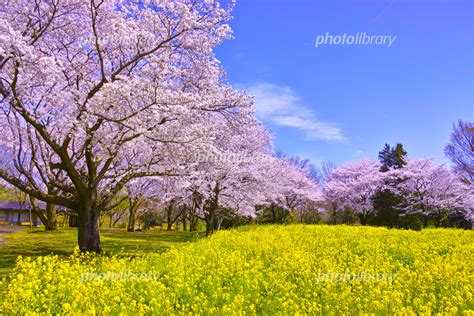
point(15, 206)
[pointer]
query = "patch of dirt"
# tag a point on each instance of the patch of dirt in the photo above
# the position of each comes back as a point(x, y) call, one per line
point(9, 229)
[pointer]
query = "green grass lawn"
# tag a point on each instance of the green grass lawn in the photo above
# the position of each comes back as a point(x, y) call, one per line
point(38, 242)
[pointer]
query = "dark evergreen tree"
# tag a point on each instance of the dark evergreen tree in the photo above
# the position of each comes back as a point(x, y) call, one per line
point(392, 157)
point(385, 202)
point(398, 156)
point(384, 157)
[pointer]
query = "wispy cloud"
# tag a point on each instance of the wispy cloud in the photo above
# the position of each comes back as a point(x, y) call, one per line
point(280, 105)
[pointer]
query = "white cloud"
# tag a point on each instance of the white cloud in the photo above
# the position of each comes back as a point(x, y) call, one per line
point(280, 105)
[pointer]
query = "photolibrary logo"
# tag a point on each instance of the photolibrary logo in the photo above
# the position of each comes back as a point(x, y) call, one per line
point(119, 40)
point(240, 157)
point(359, 276)
point(125, 275)
point(360, 38)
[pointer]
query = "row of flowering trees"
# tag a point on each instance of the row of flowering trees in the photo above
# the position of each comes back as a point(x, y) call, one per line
point(102, 97)
point(423, 187)
point(105, 100)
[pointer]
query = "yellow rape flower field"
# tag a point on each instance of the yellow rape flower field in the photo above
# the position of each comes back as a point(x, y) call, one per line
point(260, 270)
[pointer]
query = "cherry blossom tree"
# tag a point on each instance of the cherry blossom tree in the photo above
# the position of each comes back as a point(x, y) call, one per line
point(460, 149)
point(353, 185)
point(116, 211)
point(234, 172)
point(431, 190)
point(96, 93)
point(138, 191)
point(173, 198)
point(298, 186)
point(469, 205)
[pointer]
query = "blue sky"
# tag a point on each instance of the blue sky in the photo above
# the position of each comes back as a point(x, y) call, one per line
point(343, 102)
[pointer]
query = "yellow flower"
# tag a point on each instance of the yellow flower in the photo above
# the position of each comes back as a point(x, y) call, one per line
point(260, 270)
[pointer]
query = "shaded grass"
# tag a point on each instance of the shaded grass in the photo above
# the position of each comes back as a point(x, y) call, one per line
point(63, 242)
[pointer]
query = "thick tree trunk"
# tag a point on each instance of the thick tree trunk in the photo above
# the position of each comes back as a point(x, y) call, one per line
point(131, 220)
point(210, 221)
point(209, 227)
point(210, 217)
point(18, 219)
point(50, 226)
point(131, 215)
point(334, 213)
point(184, 223)
point(219, 223)
point(169, 220)
point(193, 223)
point(88, 229)
point(284, 215)
point(51, 219)
point(134, 205)
point(48, 218)
point(363, 219)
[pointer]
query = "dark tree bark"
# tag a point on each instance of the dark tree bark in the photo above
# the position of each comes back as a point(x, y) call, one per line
point(88, 232)
point(211, 209)
point(18, 219)
point(173, 214)
point(193, 221)
point(134, 205)
point(88, 224)
point(51, 219)
point(334, 213)
point(131, 220)
point(48, 218)
point(193, 215)
point(210, 222)
point(169, 219)
point(184, 222)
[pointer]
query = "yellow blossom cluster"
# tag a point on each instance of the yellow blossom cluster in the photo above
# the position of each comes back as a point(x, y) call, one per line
point(261, 270)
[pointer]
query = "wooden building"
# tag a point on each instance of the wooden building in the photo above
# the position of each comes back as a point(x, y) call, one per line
point(16, 213)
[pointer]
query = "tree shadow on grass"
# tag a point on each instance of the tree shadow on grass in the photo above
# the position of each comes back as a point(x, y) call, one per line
point(63, 242)
point(154, 242)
